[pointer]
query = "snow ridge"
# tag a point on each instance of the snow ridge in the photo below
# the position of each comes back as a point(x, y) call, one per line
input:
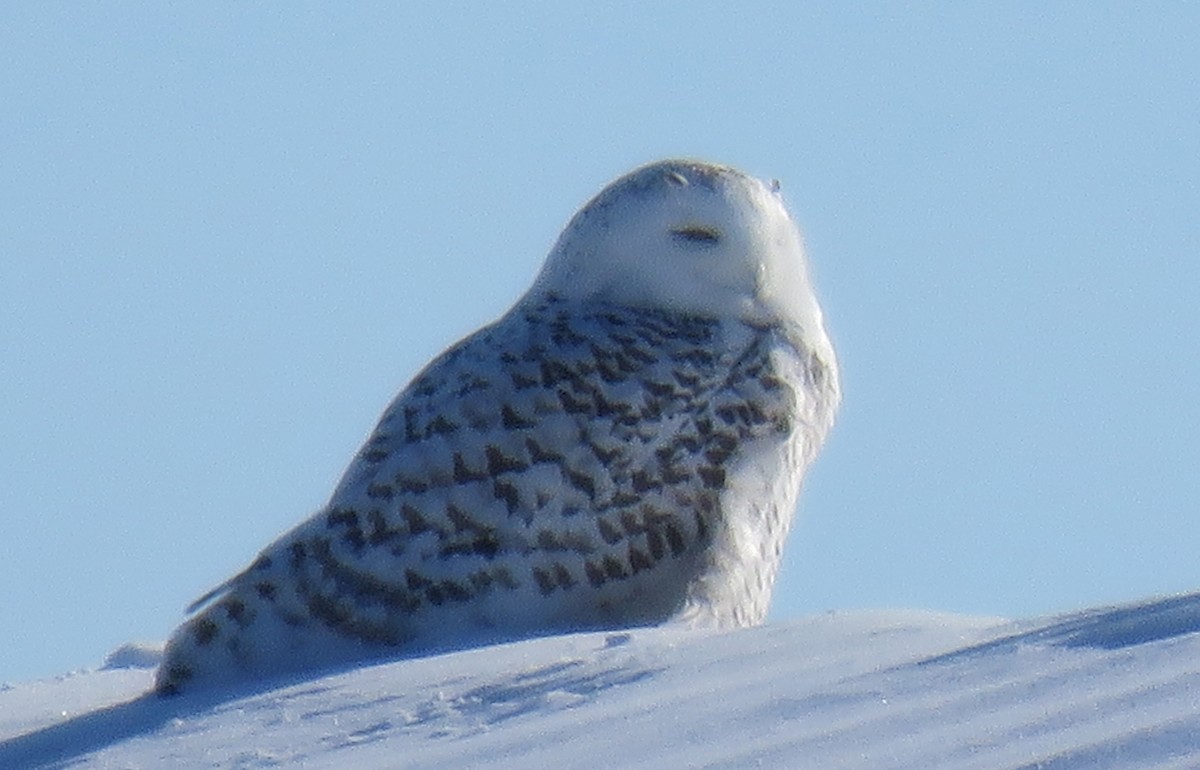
point(1111, 687)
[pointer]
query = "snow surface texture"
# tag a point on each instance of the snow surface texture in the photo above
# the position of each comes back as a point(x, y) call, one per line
point(1106, 688)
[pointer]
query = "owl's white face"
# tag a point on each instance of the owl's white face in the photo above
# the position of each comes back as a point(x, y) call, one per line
point(689, 236)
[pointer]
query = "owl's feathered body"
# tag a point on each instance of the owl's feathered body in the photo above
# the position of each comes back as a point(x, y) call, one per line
point(602, 456)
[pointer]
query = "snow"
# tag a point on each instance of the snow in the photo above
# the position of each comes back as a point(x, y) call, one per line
point(1110, 687)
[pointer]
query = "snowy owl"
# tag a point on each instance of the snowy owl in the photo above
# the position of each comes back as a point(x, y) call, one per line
point(623, 447)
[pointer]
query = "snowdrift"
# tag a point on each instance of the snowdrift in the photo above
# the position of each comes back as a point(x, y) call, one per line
point(1110, 687)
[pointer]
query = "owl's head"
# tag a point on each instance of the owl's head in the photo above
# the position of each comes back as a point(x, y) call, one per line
point(689, 236)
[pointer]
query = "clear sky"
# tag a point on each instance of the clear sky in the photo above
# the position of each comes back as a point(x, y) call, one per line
point(229, 233)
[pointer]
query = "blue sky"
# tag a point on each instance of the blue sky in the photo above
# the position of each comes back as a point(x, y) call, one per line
point(229, 233)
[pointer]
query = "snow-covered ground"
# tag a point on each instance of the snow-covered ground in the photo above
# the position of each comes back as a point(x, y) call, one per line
point(1111, 687)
